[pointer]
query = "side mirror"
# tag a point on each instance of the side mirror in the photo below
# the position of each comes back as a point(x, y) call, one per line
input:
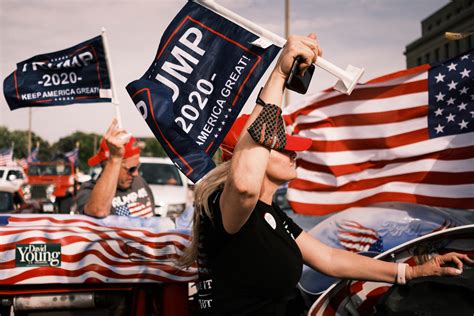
point(12, 177)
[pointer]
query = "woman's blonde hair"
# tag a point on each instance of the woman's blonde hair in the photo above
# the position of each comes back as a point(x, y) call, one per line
point(213, 181)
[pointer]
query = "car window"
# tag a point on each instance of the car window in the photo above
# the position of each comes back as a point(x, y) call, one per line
point(158, 173)
point(16, 173)
point(49, 170)
point(6, 201)
point(1, 173)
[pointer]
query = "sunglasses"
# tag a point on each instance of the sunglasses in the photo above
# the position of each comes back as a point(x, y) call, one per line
point(132, 170)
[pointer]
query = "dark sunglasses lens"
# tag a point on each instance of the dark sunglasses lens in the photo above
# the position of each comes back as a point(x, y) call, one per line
point(132, 170)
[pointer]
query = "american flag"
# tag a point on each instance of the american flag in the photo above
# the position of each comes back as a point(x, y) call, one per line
point(22, 163)
point(95, 250)
point(6, 156)
point(135, 209)
point(407, 136)
point(357, 238)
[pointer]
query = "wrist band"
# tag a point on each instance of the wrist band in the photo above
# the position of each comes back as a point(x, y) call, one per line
point(401, 270)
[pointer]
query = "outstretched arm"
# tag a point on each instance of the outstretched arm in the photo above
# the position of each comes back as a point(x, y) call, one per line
point(348, 265)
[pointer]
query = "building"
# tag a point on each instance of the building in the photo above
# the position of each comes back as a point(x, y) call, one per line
point(432, 46)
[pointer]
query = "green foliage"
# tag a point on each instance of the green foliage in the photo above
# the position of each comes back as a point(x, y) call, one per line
point(88, 144)
point(151, 147)
point(20, 141)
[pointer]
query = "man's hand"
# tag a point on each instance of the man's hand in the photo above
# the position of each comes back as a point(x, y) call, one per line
point(116, 138)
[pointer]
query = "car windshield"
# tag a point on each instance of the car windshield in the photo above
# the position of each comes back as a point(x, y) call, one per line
point(49, 170)
point(158, 173)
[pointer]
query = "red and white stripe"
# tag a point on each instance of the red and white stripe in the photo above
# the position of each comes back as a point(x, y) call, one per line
point(373, 146)
point(361, 300)
point(93, 252)
point(6, 157)
point(22, 163)
point(355, 237)
point(138, 209)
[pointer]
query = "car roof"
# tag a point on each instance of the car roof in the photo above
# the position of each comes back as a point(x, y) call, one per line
point(11, 168)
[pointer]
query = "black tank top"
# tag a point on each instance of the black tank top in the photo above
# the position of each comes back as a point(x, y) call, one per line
point(252, 272)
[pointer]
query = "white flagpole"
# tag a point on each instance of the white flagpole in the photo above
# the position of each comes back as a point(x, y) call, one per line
point(287, 33)
point(246, 24)
point(13, 154)
point(115, 100)
point(348, 78)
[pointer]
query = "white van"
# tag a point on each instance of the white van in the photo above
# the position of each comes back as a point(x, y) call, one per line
point(168, 184)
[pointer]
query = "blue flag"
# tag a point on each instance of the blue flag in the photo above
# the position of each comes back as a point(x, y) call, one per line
point(73, 75)
point(33, 156)
point(204, 71)
point(73, 156)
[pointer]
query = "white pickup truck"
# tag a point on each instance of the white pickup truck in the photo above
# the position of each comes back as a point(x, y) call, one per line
point(12, 176)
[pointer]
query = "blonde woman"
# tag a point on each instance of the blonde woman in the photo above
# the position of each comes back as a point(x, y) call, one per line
point(250, 254)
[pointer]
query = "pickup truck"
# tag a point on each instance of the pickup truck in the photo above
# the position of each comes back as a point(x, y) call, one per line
point(50, 186)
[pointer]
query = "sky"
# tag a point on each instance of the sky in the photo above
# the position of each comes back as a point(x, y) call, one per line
point(371, 34)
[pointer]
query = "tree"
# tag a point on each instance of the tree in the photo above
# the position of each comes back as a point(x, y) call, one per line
point(88, 143)
point(151, 147)
point(20, 139)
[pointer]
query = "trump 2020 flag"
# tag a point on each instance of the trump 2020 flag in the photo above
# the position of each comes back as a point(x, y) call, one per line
point(407, 136)
point(74, 75)
point(204, 71)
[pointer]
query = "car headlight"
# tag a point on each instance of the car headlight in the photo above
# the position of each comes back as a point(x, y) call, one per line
point(174, 210)
point(27, 191)
point(49, 192)
point(50, 189)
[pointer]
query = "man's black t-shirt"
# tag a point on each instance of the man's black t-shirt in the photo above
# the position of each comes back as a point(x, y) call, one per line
point(251, 272)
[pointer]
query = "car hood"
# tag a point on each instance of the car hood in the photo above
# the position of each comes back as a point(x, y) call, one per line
point(8, 186)
point(169, 194)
